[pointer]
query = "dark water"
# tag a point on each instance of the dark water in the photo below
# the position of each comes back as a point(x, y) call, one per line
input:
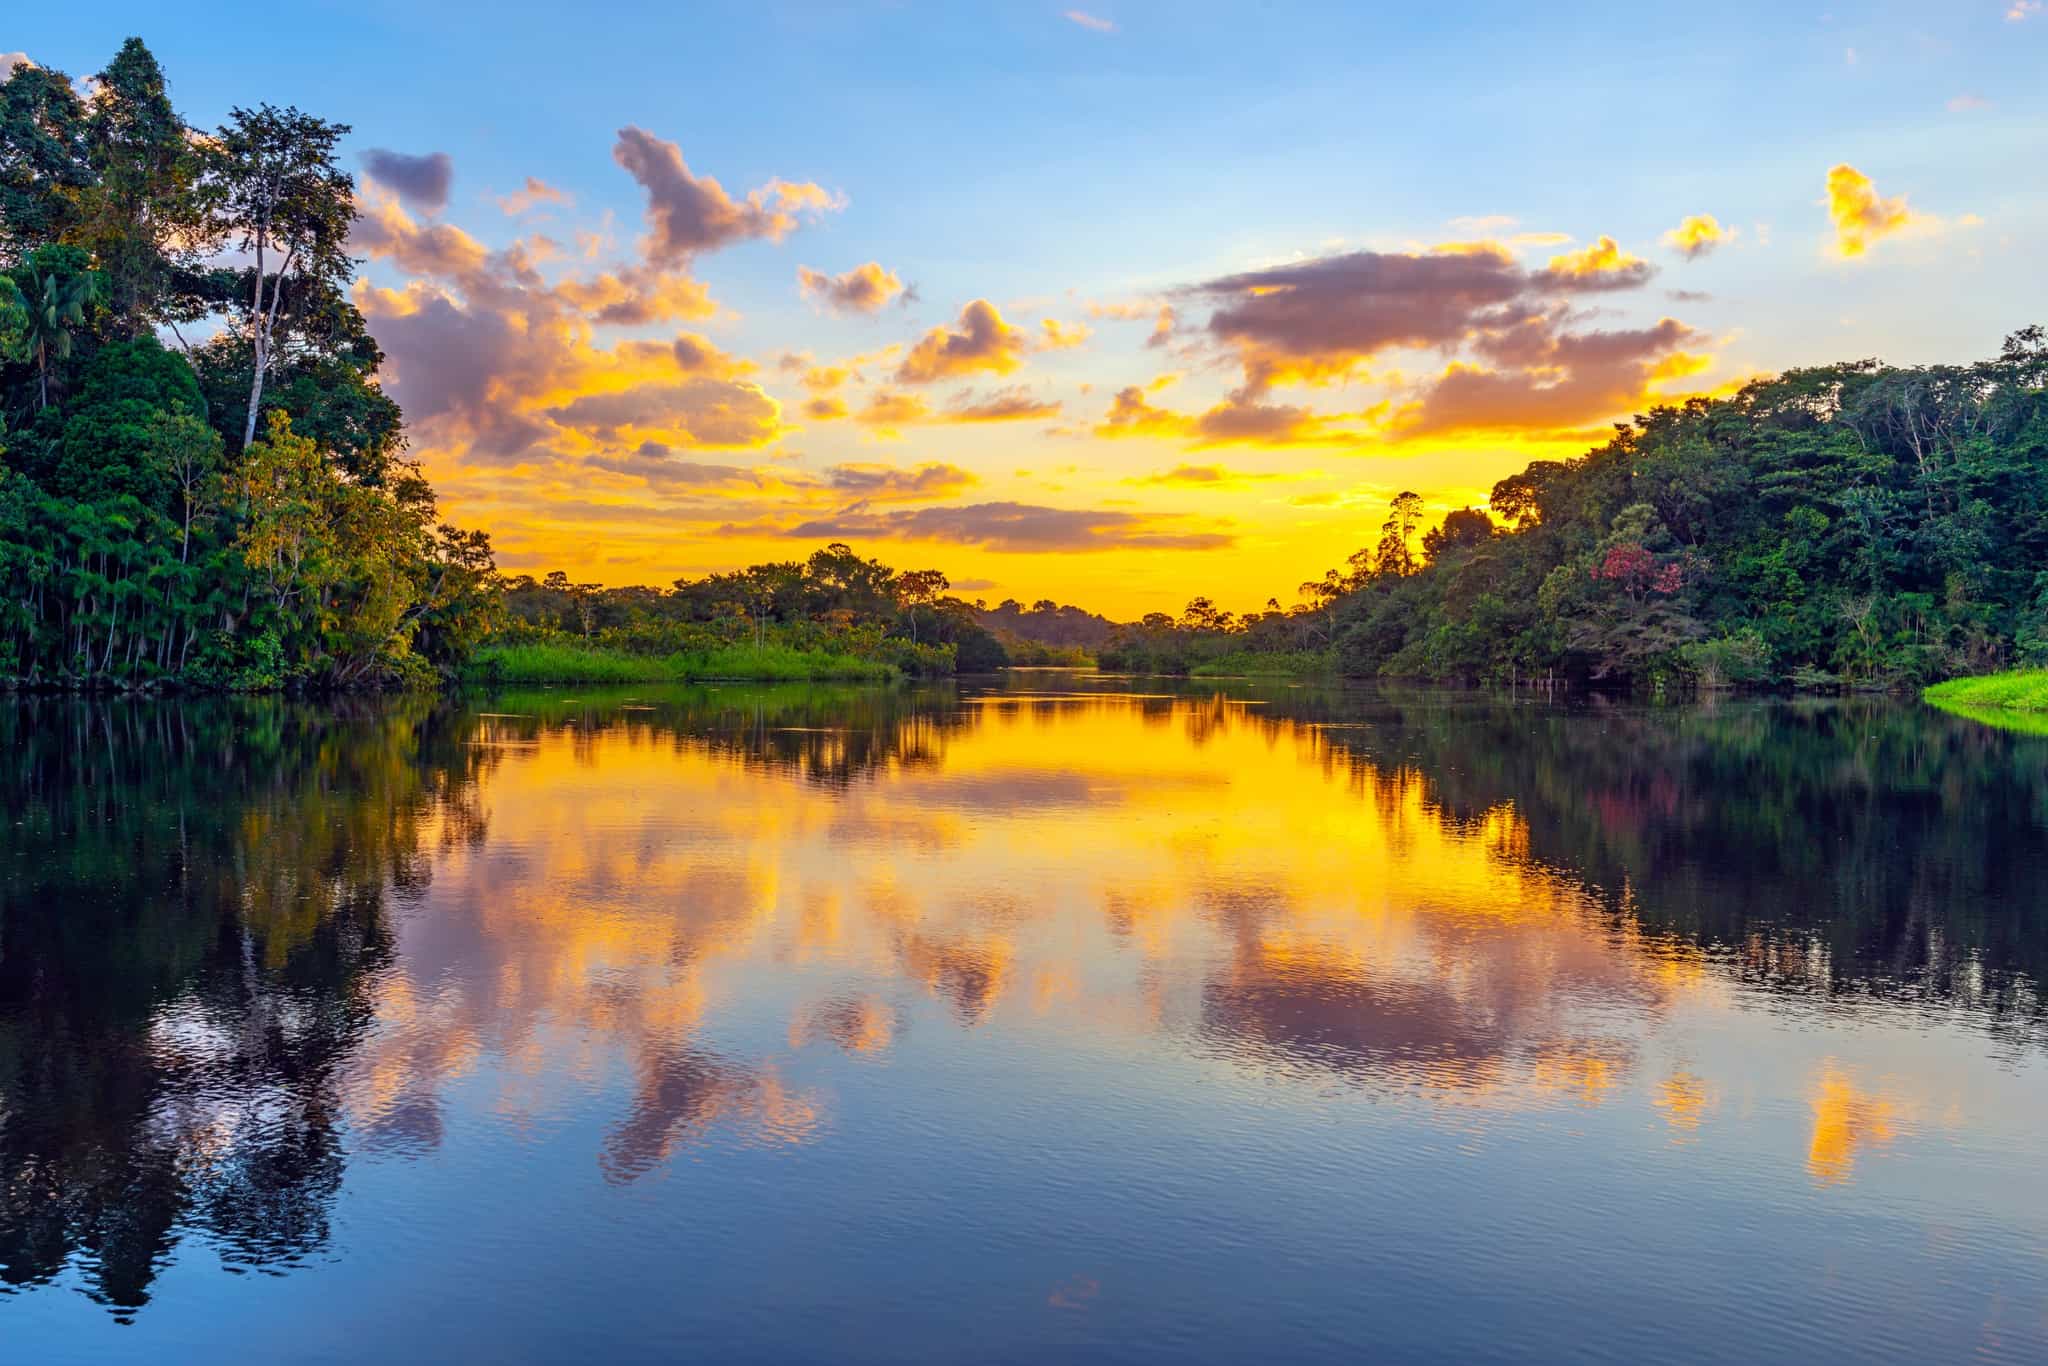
point(1054, 1021)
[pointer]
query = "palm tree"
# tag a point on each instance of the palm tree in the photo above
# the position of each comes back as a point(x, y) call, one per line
point(54, 306)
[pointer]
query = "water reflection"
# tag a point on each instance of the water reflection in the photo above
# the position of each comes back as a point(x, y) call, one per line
point(245, 946)
point(193, 920)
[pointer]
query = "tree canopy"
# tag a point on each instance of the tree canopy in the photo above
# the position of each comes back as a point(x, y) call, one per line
point(239, 512)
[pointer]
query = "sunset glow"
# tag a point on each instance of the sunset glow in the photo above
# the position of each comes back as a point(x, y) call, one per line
point(642, 330)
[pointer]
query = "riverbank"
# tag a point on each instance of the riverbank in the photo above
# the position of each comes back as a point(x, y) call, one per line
point(570, 663)
point(2015, 700)
point(2017, 690)
point(1266, 664)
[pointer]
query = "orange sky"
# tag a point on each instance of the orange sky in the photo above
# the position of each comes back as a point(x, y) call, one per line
point(683, 358)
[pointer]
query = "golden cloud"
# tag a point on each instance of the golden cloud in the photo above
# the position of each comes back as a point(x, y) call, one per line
point(980, 342)
point(1861, 216)
point(1061, 336)
point(864, 289)
point(1697, 235)
point(1602, 265)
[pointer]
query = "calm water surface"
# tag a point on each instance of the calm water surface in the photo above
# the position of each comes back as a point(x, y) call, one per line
point(1050, 1020)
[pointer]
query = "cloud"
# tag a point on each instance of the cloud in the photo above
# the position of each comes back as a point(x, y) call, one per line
point(1861, 216)
point(864, 289)
point(1162, 327)
point(891, 483)
point(983, 342)
point(656, 463)
point(1061, 336)
point(2022, 10)
point(535, 191)
point(820, 379)
point(1128, 310)
point(638, 296)
point(702, 411)
point(421, 181)
point(1201, 475)
point(1018, 527)
point(11, 60)
point(1090, 21)
point(1517, 358)
point(1241, 419)
point(1132, 414)
point(825, 408)
point(1011, 404)
point(888, 409)
point(1564, 381)
point(1964, 104)
point(1323, 315)
point(695, 355)
point(688, 214)
point(1604, 265)
point(1697, 235)
point(1485, 224)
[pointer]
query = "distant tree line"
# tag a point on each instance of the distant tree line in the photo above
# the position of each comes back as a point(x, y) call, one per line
point(834, 600)
point(1852, 525)
point(1047, 632)
point(201, 481)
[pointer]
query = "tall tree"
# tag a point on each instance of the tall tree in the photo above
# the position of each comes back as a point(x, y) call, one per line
point(144, 218)
point(43, 164)
point(282, 197)
point(55, 299)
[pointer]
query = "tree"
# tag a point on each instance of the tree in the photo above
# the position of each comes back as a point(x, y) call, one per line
point(919, 589)
point(186, 454)
point(1462, 530)
point(279, 193)
point(143, 219)
point(43, 162)
point(55, 300)
point(1404, 515)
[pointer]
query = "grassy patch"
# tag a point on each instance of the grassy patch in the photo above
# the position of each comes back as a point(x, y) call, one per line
point(2011, 701)
point(552, 663)
point(1265, 664)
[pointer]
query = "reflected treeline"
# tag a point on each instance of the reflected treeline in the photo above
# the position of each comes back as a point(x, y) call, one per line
point(1856, 847)
point(192, 911)
point(825, 734)
point(1860, 846)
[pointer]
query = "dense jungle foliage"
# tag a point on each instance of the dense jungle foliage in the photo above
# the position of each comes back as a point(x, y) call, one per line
point(832, 606)
point(234, 508)
point(1853, 525)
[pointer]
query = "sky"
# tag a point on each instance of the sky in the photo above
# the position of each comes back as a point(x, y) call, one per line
point(1115, 305)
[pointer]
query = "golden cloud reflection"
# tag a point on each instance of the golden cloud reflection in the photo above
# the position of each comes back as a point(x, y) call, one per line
point(1241, 888)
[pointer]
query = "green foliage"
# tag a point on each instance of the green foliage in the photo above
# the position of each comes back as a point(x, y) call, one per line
point(1849, 525)
point(1265, 664)
point(2019, 690)
point(563, 662)
point(146, 535)
point(834, 604)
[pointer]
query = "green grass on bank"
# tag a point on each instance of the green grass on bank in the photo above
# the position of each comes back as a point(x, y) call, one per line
point(2011, 701)
point(1265, 664)
point(554, 663)
point(2020, 690)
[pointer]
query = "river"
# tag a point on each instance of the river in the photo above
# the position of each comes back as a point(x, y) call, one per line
point(1056, 1018)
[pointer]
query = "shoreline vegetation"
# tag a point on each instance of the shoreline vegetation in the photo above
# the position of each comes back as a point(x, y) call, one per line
point(516, 665)
point(241, 514)
point(2016, 700)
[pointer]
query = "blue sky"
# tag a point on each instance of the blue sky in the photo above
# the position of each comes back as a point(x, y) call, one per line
point(1012, 154)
